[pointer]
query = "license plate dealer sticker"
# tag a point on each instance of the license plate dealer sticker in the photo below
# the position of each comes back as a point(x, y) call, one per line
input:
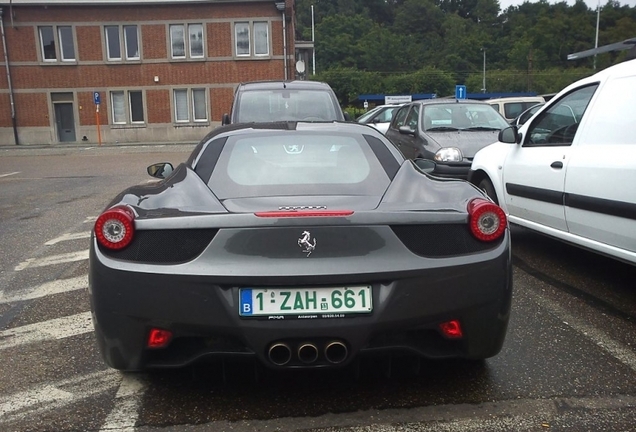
point(323, 302)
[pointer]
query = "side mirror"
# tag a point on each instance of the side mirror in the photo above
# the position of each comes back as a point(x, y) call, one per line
point(425, 165)
point(226, 119)
point(160, 170)
point(347, 116)
point(406, 130)
point(509, 135)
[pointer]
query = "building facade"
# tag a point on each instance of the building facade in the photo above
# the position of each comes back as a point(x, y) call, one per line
point(99, 71)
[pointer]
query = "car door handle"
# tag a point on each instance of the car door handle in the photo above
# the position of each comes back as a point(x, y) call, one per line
point(557, 165)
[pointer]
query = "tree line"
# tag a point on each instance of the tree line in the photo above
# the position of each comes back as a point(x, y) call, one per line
point(429, 46)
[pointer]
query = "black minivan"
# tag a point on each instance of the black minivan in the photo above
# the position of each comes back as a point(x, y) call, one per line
point(267, 101)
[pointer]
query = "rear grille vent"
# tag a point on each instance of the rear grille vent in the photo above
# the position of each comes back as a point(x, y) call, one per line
point(164, 246)
point(441, 240)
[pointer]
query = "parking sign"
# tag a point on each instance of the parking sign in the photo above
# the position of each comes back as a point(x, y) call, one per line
point(460, 92)
point(96, 98)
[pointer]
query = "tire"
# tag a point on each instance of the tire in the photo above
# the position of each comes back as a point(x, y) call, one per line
point(489, 189)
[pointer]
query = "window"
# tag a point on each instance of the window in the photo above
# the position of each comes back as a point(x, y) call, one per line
point(57, 43)
point(190, 105)
point(412, 118)
point(127, 107)
point(192, 45)
point(557, 125)
point(122, 36)
point(252, 39)
point(400, 116)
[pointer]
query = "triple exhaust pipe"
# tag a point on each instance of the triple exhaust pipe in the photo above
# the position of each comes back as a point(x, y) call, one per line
point(280, 353)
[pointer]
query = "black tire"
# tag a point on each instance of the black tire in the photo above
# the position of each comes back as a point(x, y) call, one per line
point(486, 186)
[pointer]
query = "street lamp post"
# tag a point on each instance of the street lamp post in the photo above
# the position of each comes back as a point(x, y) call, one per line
point(598, 18)
point(483, 84)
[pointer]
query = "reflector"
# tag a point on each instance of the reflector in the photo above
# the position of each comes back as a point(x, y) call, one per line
point(451, 329)
point(158, 338)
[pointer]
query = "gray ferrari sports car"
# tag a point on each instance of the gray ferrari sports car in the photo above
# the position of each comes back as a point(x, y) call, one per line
point(301, 245)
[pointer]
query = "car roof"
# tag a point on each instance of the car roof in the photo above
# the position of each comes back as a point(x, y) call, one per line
point(280, 84)
point(447, 102)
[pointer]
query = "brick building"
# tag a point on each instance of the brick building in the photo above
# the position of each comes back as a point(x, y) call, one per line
point(161, 70)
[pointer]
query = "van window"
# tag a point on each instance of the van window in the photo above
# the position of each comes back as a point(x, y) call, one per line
point(514, 109)
point(557, 125)
point(614, 119)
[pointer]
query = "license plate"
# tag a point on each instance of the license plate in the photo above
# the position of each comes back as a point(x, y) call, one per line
point(323, 302)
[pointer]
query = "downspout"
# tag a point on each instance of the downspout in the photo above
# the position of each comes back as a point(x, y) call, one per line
point(6, 63)
point(281, 7)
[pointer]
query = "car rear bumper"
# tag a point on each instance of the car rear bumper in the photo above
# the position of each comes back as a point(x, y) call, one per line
point(203, 316)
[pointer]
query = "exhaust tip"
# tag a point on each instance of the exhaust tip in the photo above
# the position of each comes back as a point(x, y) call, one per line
point(307, 353)
point(280, 354)
point(336, 352)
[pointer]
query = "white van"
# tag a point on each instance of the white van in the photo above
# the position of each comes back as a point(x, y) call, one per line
point(512, 107)
point(570, 170)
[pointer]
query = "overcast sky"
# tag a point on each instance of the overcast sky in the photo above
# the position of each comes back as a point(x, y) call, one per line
point(592, 4)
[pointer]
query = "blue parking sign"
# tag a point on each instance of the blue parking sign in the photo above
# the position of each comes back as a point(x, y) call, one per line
point(460, 92)
point(96, 98)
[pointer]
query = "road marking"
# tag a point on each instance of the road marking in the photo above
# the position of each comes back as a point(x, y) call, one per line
point(125, 413)
point(46, 289)
point(52, 260)
point(616, 349)
point(36, 402)
point(54, 329)
point(9, 174)
point(67, 237)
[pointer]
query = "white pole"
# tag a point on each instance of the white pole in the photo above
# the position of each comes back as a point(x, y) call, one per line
point(313, 41)
point(598, 18)
point(484, 82)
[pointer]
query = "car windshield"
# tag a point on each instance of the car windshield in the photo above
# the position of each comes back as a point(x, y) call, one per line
point(297, 163)
point(284, 105)
point(462, 116)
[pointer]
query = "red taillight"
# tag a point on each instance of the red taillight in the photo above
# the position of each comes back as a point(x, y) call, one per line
point(158, 338)
point(451, 329)
point(302, 213)
point(115, 227)
point(487, 220)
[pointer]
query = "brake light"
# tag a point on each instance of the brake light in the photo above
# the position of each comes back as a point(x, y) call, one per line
point(301, 213)
point(487, 220)
point(115, 227)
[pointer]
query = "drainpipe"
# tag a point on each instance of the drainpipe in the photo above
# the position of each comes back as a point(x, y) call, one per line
point(6, 62)
point(281, 7)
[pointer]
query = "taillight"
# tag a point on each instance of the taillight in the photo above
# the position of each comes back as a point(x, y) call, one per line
point(158, 338)
point(305, 213)
point(487, 220)
point(115, 227)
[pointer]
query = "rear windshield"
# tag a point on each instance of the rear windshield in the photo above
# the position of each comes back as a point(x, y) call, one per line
point(297, 163)
point(462, 116)
point(285, 104)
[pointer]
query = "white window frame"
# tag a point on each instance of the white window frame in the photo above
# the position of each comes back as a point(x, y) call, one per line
point(124, 55)
point(190, 103)
point(57, 41)
point(187, 46)
point(127, 107)
point(252, 35)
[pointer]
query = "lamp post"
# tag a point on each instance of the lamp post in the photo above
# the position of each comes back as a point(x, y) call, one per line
point(313, 41)
point(598, 18)
point(483, 84)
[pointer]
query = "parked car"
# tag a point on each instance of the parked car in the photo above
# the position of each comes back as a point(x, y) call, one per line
point(526, 115)
point(301, 245)
point(267, 101)
point(447, 131)
point(511, 107)
point(379, 117)
point(570, 171)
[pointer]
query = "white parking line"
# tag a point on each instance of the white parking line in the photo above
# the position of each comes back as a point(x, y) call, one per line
point(619, 351)
point(125, 413)
point(9, 174)
point(67, 237)
point(35, 402)
point(90, 219)
point(52, 260)
point(46, 289)
point(54, 329)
